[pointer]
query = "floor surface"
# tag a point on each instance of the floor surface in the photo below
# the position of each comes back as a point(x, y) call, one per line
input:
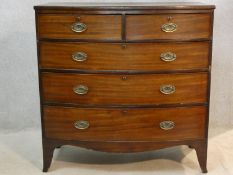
point(21, 154)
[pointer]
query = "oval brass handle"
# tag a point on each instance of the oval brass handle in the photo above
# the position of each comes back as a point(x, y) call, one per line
point(79, 56)
point(169, 27)
point(168, 56)
point(167, 89)
point(80, 89)
point(81, 124)
point(167, 125)
point(79, 27)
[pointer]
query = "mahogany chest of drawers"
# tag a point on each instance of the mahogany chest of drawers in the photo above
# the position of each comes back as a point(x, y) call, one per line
point(124, 77)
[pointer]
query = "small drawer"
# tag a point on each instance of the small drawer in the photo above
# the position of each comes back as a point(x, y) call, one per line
point(114, 124)
point(131, 56)
point(168, 26)
point(69, 26)
point(142, 89)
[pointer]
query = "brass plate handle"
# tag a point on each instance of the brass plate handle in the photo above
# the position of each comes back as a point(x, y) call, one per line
point(79, 56)
point(167, 125)
point(79, 27)
point(167, 89)
point(168, 56)
point(81, 124)
point(80, 89)
point(169, 27)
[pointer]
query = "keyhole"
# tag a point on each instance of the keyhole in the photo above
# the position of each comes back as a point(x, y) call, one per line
point(78, 18)
point(169, 18)
point(123, 46)
point(124, 112)
point(124, 78)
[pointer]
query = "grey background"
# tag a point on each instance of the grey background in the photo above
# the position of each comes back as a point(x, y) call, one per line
point(19, 94)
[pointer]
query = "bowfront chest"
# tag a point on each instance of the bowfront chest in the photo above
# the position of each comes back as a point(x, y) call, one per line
point(124, 77)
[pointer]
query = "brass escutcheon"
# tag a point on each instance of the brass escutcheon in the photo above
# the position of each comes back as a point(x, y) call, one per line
point(124, 78)
point(169, 18)
point(123, 46)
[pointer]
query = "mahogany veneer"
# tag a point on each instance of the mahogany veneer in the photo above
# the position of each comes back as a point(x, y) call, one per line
point(125, 124)
point(124, 77)
point(99, 26)
point(131, 56)
point(142, 89)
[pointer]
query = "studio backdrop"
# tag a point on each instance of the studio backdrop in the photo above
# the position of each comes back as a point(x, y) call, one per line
point(19, 92)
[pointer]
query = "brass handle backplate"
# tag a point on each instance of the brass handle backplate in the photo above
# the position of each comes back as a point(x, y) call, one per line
point(167, 89)
point(80, 89)
point(81, 124)
point(169, 27)
point(167, 125)
point(168, 56)
point(79, 56)
point(79, 27)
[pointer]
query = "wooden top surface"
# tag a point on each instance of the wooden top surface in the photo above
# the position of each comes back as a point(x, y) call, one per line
point(126, 6)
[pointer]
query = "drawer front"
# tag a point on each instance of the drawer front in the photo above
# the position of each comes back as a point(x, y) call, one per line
point(140, 89)
point(182, 26)
point(140, 56)
point(125, 124)
point(86, 27)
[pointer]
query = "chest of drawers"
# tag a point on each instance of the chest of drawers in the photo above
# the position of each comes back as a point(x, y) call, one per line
point(124, 77)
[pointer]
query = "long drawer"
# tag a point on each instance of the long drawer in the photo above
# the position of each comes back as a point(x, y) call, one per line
point(168, 26)
point(113, 56)
point(142, 89)
point(71, 26)
point(161, 124)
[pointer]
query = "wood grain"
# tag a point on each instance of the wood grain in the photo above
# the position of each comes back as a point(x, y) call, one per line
point(125, 124)
point(125, 6)
point(134, 90)
point(114, 56)
point(125, 121)
point(189, 26)
point(98, 26)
